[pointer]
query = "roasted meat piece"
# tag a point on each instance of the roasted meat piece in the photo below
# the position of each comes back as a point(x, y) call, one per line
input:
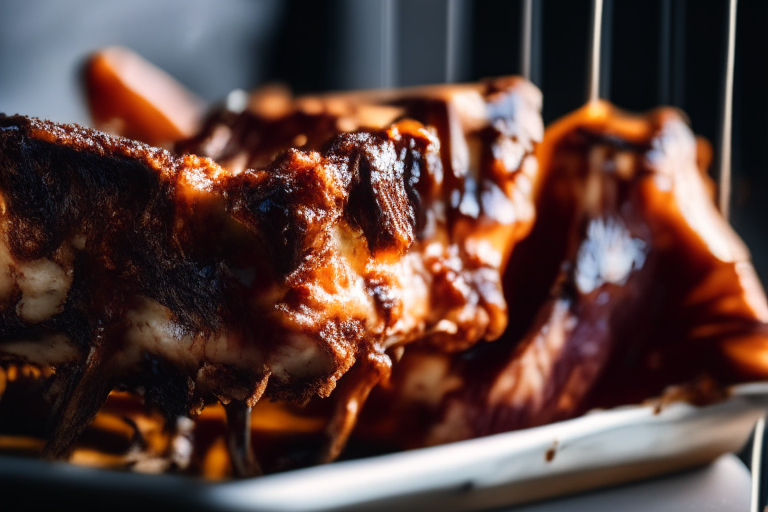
point(649, 288)
point(126, 267)
point(131, 97)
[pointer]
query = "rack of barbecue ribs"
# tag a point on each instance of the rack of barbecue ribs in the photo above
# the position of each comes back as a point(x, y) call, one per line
point(631, 285)
point(352, 244)
point(124, 266)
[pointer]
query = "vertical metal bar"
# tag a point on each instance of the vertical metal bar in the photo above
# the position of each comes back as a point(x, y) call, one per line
point(665, 53)
point(724, 180)
point(757, 465)
point(526, 38)
point(387, 43)
point(451, 40)
point(593, 90)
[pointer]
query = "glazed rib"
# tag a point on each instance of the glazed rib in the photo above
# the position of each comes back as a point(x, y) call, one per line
point(649, 288)
point(125, 266)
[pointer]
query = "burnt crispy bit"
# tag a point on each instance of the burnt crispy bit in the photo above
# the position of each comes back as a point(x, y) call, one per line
point(300, 195)
point(379, 181)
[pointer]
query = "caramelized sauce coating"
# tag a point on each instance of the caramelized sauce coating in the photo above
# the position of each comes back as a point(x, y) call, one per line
point(649, 288)
point(123, 266)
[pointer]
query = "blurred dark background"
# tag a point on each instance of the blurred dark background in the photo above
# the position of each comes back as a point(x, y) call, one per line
point(655, 52)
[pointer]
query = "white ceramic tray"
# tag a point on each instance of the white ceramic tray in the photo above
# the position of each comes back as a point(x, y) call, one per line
point(599, 449)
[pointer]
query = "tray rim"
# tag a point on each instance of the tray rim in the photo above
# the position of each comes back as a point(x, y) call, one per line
point(412, 473)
